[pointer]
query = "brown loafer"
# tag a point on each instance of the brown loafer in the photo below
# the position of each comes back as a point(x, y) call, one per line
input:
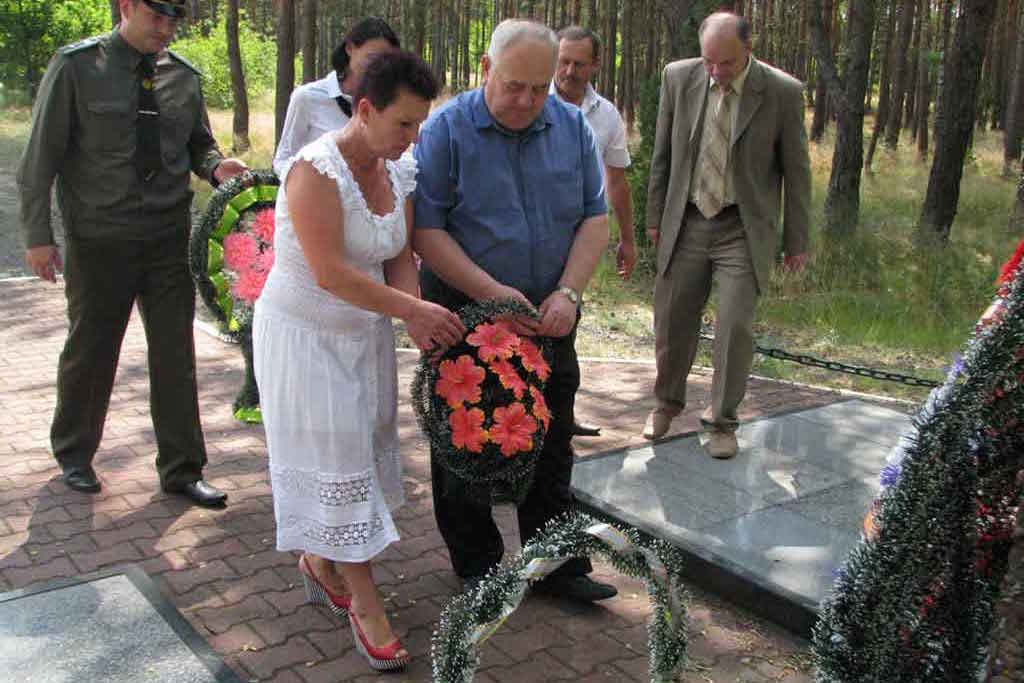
point(722, 444)
point(659, 421)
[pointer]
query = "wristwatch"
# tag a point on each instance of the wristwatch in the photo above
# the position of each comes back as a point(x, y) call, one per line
point(571, 293)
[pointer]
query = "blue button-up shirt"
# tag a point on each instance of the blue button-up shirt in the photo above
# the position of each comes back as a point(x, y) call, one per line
point(513, 202)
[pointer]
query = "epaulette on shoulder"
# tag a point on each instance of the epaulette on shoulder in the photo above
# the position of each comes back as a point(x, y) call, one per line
point(84, 44)
point(184, 61)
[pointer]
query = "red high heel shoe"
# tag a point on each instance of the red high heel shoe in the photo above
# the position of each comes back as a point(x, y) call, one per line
point(319, 594)
point(380, 658)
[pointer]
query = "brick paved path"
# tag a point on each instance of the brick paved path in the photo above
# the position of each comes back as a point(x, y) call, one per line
point(220, 567)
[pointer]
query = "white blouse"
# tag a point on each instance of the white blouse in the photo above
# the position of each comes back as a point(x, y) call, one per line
point(312, 111)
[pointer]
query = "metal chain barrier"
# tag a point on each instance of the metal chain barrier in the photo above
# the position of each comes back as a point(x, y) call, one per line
point(835, 366)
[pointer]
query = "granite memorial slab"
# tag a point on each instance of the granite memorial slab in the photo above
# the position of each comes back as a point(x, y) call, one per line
point(114, 627)
point(768, 527)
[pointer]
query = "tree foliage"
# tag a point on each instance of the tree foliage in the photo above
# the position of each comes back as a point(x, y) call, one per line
point(32, 30)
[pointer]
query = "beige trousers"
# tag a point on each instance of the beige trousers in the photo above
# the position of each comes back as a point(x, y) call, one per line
point(706, 251)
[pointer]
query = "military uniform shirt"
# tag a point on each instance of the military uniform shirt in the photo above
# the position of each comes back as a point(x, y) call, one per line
point(84, 134)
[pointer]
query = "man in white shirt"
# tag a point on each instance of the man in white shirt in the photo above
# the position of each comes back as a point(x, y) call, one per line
point(579, 50)
point(324, 105)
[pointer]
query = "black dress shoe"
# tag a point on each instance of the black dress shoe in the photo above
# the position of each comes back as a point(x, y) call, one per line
point(81, 479)
point(581, 588)
point(203, 494)
point(584, 429)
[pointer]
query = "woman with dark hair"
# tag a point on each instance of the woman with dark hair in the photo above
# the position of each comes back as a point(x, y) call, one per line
point(324, 351)
point(324, 105)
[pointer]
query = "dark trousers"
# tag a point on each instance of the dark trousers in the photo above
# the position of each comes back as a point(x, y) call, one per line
point(103, 279)
point(473, 539)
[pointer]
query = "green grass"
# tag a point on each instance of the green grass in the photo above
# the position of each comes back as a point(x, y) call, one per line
point(876, 298)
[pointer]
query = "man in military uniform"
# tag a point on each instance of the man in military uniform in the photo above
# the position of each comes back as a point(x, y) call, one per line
point(120, 121)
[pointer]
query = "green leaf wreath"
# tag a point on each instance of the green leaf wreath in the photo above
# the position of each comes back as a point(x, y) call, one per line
point(915, 600)
point(470, 618)
point(482, 405)
point(230, 254)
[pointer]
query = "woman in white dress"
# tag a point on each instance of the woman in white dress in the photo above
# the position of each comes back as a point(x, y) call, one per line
point(324, 351)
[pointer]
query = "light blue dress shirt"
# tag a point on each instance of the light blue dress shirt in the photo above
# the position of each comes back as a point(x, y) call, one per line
point(512, 201)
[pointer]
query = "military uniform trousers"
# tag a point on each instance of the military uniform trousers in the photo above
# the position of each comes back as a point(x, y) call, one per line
point(103, 279)
point(707, 251)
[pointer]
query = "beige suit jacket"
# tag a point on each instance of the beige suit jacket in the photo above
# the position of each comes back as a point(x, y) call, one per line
point(768, 153)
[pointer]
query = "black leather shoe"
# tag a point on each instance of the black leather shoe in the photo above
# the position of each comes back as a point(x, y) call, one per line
point(581, 588)
point(203, 494)
point(81, 479)
point(584, 429)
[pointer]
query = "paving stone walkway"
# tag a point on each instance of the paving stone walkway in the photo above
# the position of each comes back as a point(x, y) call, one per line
point(220, 568)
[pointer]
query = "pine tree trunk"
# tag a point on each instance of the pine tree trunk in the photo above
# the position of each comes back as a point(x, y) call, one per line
point(924, 83)
point(820, 95)
point(842, 201)
point(958, 99)
point(913, 60)
point(610, 45)
point(420, 22)
point(285, 64)
point(884, 85)
point(240, 120)
point(625, 90)
point(899, 73)
point(308, 40)
point(1015, 107)
point(437, 45)
point(467, 21)
point(1009, 60)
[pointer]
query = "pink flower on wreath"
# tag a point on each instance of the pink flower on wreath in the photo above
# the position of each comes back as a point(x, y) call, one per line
point(493, 341)
point(508, 377)
point(540, 407)
point(265, 261)
point(459, 381)
point(249, 284)
point(467, 429)
point(240, 251)
point(263, 225)
point(533, 359)
point(513, 429)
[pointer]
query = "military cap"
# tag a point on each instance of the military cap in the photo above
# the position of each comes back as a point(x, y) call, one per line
point(172, 8)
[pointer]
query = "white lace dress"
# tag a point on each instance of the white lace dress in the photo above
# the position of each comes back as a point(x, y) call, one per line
point(327, 379)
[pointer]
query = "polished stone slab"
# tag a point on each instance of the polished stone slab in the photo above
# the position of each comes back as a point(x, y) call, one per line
point(776, 521)
point(113, 627)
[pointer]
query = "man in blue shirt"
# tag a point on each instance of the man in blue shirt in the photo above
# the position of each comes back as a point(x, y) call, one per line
point(510, 204)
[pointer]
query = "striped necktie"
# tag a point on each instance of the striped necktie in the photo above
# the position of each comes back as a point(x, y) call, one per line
point(714, 155)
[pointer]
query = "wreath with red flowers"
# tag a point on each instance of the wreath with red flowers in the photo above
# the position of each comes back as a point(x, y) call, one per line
point(482, 404)
point(230, 254)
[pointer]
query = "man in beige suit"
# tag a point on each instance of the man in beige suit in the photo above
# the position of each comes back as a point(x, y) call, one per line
point(730, 139)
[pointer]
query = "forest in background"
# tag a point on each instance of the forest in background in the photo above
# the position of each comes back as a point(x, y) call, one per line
point(908, 101)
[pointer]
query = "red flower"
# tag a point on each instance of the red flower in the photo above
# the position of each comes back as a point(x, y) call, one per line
point(240, 251)
point(540, 407)
point(249, 285)
point(493, 341)
point(513, 429)
point(533, 359)
point(508, 376)
point(467, 429)
point(459, 381)
point(263, 225)
point(265, 261)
